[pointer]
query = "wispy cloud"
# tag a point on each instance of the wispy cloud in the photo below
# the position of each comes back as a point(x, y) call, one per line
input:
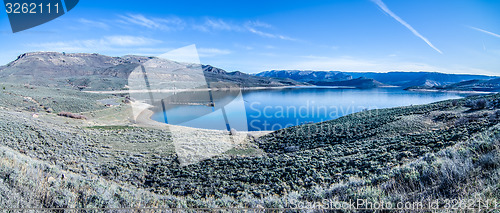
point(384, 7)
point(171, 23)
point(207, 24)
point(128, 41)
point(218, 24)
point(269, 35)
point(140, 20)
point(484, 31)
point(211, 52)
point(91, 23)
point(103, 44)
point(245, 47)
point(213, 24)
point(258, 24)
point(254, 27)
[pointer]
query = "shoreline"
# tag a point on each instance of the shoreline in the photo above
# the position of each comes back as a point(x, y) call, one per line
point(451, 91)
point(187, 90)
point(144, 119)
point(226, 89)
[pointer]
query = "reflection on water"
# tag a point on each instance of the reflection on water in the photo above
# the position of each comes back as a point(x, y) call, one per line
point(208, 110)
point(273, 109)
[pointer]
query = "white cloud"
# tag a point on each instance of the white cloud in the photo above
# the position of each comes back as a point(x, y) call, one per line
point(172, 23)
point(128, 41)
point(258, 24)
point(245, 47)
point(219, 24)
point(91, 23)
point(205, 25)
point(269, 35)
point(263, 34)
point(211, 52)
point(487, 32)
point(401, 21)
point(211, 24)
point(140, 20)
point(92, 45)
point(252, 26)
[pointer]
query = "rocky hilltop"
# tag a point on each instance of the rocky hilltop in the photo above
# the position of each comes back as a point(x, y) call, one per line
point(99, 72)
point(53, 64)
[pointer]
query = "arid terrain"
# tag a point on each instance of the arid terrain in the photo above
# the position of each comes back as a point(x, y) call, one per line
point(447, 149)
point(64, 147)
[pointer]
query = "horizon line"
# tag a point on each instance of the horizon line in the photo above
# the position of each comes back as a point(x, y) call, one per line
point(251, 73)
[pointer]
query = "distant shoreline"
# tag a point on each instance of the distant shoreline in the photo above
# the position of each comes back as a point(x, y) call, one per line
point(277, 88)
point(451, 91)
point(224, 89)
point(184, 90)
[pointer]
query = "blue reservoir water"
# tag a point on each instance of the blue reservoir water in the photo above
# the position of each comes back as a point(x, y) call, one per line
point(273, 109)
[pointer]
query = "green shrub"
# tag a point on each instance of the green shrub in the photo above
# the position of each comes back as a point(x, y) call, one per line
point(476, 104)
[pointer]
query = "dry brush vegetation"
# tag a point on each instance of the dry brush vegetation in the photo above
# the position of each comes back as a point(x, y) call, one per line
point(448, 149)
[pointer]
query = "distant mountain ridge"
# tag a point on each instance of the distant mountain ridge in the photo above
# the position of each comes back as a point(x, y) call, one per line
point(360, 83)
point(492, 85)
point(402, 79)
point(306, 76)
point(408, 79)
point(99, 72)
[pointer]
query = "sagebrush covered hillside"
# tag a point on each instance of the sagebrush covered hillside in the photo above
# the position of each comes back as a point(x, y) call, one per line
point(447, 149)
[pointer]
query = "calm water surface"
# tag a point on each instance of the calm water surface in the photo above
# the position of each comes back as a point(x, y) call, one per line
point(273, 109)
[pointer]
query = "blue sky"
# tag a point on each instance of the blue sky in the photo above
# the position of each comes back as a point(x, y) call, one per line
point(451, 36)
